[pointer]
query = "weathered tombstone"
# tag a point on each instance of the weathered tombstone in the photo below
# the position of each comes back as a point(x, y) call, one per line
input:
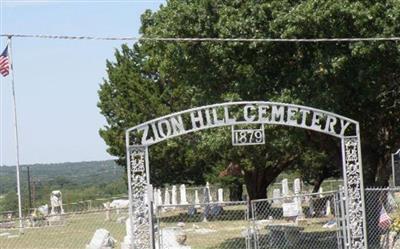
point(297, 186)
point(156, 203)
point(174, 196)
point(56, 208)
point(56, 202)
point(209, 192)
point(285, 187)
point(276, 195)
point(159, 197)
point(328, 211)
point(196, 199)
point(167, 198)
point(297, 199)
point(107, 207)
point(220, 195)
point(290, 209)
point(173, 237)
point(182, 190)
point(206, 202)
point(119, 204)
point(101, 240)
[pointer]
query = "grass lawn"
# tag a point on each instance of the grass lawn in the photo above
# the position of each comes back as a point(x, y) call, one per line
point(225, 232)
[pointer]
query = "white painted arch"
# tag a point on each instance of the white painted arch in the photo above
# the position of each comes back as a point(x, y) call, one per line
point(140, 137)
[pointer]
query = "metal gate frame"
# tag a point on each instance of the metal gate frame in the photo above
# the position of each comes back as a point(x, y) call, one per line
point(138, 140)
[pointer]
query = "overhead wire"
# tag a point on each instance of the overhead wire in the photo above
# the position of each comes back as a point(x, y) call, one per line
point(202, 39)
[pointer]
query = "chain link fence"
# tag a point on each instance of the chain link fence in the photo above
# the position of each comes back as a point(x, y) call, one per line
point(383, 217)
point(304, 221)
point(213, 225)
point(65, 231)
point(300, 221)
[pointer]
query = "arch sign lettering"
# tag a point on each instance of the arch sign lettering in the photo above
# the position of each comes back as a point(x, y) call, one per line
point(240, 116)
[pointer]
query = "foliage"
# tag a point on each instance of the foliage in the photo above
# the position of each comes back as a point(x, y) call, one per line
point(360, 80)
point(77, 181)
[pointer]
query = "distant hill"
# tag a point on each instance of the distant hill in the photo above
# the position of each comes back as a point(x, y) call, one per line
point(81, 174)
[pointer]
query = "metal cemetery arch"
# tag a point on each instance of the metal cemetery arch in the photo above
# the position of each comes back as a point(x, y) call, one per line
point(140, 137)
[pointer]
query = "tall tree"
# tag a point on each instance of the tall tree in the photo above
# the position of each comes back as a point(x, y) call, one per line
point(360, 80)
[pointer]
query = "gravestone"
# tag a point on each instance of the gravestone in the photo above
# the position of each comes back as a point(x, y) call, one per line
point(285, 188)
point(297, 186)
point(196, 199)
point(209, 192)
point(290, 209)
point(107, 207)
point(57, 210)
point(206, 201)
point(159, 197)
point(276, 195)
point(220, 195)
point(167, 198)
point(174, 196)
point(56, 202)
point(101, 240)
point(328, 210)
point(297, 199)
point(182, 190)
point(171, 236)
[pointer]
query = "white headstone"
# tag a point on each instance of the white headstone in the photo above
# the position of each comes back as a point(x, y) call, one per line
point(174, 196)
point(290, 209)
point(285, 187)
point(196, 198)
point(101, 240)
point(297, 186)
point(220, 195)
point(328, 208)
point(182, 190)
point(320, 192)
point(159, 197)
point(209, 192)
point(167, 198)
point(276, 195)
point(56, 202)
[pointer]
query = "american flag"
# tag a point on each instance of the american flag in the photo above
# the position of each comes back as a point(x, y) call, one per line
point(4, 66)
point(384, 220)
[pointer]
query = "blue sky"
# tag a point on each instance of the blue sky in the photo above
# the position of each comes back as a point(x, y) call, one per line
point(57, 80)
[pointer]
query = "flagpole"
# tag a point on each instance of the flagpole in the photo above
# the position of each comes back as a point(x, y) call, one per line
point(21, 226)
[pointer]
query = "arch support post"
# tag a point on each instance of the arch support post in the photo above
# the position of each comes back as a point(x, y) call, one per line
point(139, 225)
point(354, 193)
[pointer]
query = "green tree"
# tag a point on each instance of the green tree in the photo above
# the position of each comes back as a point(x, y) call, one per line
point(360, 80)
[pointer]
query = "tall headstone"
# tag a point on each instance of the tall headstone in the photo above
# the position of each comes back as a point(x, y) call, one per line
point(297, 200)
point(206, 201)
point(57, 210)
point(276, 195)
point(174, 196)
point(209, 192)
point(320, 192)
point(220, 195)
point(285, 187)
point(56, 202)
point(328, 211)
point(167, 197)
point(159, 197)
point(196, 199)
point(297, 186)
point(182, 190)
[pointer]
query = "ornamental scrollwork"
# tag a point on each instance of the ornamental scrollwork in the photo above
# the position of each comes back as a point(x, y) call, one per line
point(354, 201)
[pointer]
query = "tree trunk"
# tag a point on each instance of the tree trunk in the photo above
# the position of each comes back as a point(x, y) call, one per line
point(236, 191)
